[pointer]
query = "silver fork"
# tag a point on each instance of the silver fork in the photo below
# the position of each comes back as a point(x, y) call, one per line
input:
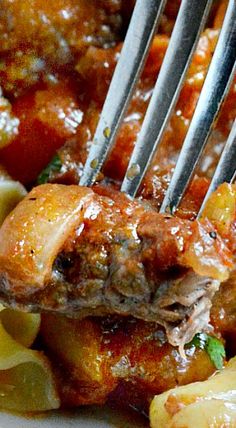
point(190, 22)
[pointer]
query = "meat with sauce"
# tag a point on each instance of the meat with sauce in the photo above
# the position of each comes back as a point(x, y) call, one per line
point(40, 39)
point(126, 361)
point(61, 108)
point(81, 252)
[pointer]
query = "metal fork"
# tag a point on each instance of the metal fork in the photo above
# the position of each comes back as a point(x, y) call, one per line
point(190, 22)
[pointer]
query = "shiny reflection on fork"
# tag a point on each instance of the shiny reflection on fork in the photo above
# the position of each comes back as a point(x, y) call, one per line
point(182, 44)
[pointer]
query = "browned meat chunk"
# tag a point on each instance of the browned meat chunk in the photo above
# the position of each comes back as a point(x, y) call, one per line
point(78, 252)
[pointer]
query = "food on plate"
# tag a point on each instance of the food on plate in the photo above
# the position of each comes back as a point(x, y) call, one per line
point(105, 299)
point(70, 250)
point(199, 404)
point(26, 380)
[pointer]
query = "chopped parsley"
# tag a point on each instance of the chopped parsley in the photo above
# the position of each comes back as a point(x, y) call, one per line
point(54, 166)
point(213, 346)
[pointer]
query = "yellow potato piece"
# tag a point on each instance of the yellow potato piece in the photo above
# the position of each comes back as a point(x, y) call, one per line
point(78, 348)
point(208, 404)
point(220, 208)
point(26, 381)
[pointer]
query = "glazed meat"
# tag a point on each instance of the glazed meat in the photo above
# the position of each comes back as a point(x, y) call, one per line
point(77, 251)
point(120, 288)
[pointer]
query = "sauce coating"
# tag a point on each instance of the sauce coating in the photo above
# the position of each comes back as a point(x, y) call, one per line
point(56, 63)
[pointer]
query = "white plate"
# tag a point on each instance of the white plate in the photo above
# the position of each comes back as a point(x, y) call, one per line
point(91, 417)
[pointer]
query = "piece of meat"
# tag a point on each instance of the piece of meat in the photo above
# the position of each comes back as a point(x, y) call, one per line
point(128, 360)
point(73, 251)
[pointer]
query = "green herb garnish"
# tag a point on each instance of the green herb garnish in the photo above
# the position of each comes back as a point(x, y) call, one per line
point(216, 351)
point(54, 166)
point(213, 346)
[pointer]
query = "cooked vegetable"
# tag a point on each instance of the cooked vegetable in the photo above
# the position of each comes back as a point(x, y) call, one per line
point(220, 208)
point(124, 356)
point(211, 403)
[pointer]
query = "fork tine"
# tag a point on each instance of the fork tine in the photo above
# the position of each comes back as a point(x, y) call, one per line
point(139, 36)
point(189, 24)
point(214, 90)
point(226, 167)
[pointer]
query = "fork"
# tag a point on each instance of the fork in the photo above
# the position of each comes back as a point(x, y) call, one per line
point(190, 22)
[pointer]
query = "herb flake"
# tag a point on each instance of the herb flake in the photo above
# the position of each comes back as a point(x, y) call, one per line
point(216, 351)
point(54, 166)
point(213, 346)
